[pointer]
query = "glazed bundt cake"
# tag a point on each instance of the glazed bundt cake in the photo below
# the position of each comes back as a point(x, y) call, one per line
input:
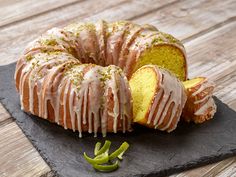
point(200, 105)
point(77, 76)
point(158, 98)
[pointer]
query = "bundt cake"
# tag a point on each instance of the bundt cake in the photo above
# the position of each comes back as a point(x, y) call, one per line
point(77, 76)
point(158, 98)
point(200, 105)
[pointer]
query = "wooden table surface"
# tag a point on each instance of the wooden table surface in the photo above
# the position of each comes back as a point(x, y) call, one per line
point(206, 27)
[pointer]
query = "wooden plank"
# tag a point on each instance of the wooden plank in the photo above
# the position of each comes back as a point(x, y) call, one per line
point(15, 37)
point(18, 156)
point(15, 10)
point(208, 170)
point(188, 18)
point(229, 171)
point(131, 10)
point(220, 167)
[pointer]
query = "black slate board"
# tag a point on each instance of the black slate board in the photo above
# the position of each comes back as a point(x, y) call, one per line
point(151, 153)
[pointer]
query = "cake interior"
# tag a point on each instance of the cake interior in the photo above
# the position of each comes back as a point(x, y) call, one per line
point(143, 84)
point(192, 82)
point(165, 56)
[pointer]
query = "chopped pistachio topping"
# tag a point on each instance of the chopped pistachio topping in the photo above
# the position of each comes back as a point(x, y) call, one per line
point(104, 75)
point(54, 53)
point(76, 76)
point(63, 39)
point(77, 28)
point(120, 72)
point(29, 57)
point(36, 63)
point(51, 42)
point(170, 38)
point(157, 40)
point(127, 32)
point(121, 23)
point(71, 50)
point(47, 50)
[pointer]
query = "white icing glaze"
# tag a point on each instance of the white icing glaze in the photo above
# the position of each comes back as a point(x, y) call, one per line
point(209, 104)
point(206, 101)
point(203, 99)
point(169, 91)
point(115, 113)
point(203, 86)
point(125, 105)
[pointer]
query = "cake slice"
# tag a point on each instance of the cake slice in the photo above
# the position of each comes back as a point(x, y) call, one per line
point(158, 98)
point(200, 105)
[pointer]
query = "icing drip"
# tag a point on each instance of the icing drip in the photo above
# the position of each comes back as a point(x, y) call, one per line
point(71, 108)
point(78, 115)
point(124, 106)
point(115, 113)
point(65, 97)
point(203, 99)
point(58, 101)
point(21, 88)
point(116, 103)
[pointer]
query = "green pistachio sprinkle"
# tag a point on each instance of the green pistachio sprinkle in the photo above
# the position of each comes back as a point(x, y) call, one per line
point(170, 38)
point(156, 40)
point(29, 57)
point(51, 42)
